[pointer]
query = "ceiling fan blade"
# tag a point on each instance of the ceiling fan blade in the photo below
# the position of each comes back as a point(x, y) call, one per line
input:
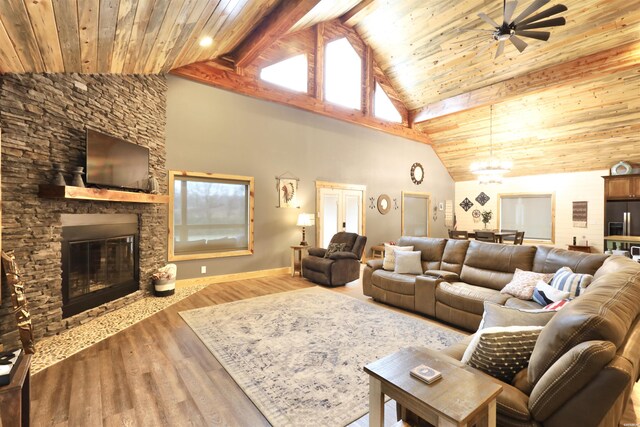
point(500, 48)
point(529, 10)
point(509, 8)
point(538, 35)
point(555, 22)
point(488, 20)
point(518, 43)
point(554, 10)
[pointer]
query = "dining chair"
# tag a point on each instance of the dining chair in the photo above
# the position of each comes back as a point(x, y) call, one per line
point(458, 235)
point(486, 236)
point(510, 238)
point(519, 239)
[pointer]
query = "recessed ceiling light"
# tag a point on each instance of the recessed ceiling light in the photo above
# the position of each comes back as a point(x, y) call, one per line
point(206, 41)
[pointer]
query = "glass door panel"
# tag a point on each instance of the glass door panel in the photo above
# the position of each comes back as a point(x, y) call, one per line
point(329, 215)
point(352, 214)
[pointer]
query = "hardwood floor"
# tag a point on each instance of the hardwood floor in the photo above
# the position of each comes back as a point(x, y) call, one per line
point(158, 373)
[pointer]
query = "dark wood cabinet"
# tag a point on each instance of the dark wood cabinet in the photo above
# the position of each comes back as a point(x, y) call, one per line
point(622, 187)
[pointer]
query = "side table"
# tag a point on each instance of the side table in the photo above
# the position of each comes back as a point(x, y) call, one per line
point(297, 253)
point(377, 251)
point(15, 397)
point(579, 248)
point(459, 398)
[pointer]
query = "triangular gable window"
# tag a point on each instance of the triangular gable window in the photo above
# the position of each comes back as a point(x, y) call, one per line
point(343, 78)
point(383, 108)
point(292, 73)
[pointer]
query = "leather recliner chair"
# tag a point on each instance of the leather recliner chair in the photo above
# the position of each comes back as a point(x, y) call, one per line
point(340, 267)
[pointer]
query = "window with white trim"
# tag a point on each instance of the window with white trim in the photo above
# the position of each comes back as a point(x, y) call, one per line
point(531, 213)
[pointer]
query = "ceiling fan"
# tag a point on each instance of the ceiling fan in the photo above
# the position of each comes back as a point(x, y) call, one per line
point(522, 25)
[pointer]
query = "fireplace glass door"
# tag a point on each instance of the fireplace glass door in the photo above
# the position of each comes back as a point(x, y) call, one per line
point(98, 264)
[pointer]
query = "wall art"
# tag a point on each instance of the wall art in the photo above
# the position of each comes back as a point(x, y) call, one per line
point(287, 187)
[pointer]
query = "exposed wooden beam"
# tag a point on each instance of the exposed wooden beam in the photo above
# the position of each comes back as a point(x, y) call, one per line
point(599, 64)
point(318, 70)
point(205, 73)
point(368, 82)
point(274, 26)
point(359, 11)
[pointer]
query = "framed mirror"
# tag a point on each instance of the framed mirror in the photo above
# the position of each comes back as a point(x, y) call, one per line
point(415, 214)
point(384, 204)
point(417, 173)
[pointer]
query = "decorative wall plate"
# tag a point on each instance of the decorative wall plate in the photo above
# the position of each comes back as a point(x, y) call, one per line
point(384, 204)
point(621, 168)
point(466, 204)
point(476, 215)
point(482, 199)
point(417, 173)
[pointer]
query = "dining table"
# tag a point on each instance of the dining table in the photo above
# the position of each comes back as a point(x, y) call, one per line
point(500, 234)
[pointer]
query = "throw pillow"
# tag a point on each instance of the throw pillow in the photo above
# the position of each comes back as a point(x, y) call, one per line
point(555, 306)
point(389, 262)
point(408, 262)
point(502, 352)
point(500, 315)
point(333, 248)
point(523, 283)
point(545, 294)
point(568, 281)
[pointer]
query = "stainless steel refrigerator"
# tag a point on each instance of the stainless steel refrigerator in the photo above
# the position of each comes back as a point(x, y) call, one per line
point(622, 218)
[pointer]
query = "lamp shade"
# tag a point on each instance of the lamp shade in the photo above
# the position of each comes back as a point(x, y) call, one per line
point(305, 220)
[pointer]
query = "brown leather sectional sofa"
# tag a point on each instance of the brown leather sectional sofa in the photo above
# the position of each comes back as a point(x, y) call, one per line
point(460, 275)
point(587, 358)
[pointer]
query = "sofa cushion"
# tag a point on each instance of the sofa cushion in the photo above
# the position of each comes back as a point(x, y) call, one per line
point(523, 283)
point(333, 248)
point(502, 352)
point(408, 262)
point(389, 262)
point(467, 297)
point(500, 315)
point(549, 260)
point(430, 248)
point(394, 282)
point(453, 256)
point(545, 294)
point(568, 281)
point(522, 304)
point(604, 313)
point(568, 375)
point(615, 264)
point(493, 265)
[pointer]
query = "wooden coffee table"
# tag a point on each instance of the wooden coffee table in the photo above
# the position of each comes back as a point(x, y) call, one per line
point(460, 398)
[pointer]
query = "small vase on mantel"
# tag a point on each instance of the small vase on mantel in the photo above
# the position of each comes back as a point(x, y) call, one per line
point(58, 177)
point(153, 187)
point(77, 177)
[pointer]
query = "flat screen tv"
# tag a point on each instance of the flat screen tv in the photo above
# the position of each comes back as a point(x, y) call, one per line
point(112, 162)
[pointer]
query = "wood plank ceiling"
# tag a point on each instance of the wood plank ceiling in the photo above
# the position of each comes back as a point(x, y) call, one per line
point(545, 124)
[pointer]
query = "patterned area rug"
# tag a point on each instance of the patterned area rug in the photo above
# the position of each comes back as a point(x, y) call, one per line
point(299, 355)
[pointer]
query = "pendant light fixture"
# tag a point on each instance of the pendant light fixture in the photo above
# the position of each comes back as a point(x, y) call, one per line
point(492, 169)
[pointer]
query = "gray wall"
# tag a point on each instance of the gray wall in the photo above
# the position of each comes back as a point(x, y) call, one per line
point(211, 130)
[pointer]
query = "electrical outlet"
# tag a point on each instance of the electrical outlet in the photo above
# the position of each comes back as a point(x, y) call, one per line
point(203, 269)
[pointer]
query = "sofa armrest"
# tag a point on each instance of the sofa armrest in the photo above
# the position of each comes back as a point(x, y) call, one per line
point(447, 276)
point(425, 294)
point(568, 375)
point(375, 264)
point(343, 255)
point(319, 252)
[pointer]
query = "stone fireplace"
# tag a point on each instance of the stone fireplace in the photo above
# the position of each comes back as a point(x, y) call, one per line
point(43, 120)
point(100, 259)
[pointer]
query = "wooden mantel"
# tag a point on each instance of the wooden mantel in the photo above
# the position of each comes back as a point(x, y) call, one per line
point(96, 194)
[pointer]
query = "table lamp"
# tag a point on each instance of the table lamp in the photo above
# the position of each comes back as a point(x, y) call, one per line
point(305, 220)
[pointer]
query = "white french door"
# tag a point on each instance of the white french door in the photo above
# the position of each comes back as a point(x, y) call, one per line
point(339, 209)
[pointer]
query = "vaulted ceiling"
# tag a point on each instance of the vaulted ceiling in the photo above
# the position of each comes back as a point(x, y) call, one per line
point(572, 103)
